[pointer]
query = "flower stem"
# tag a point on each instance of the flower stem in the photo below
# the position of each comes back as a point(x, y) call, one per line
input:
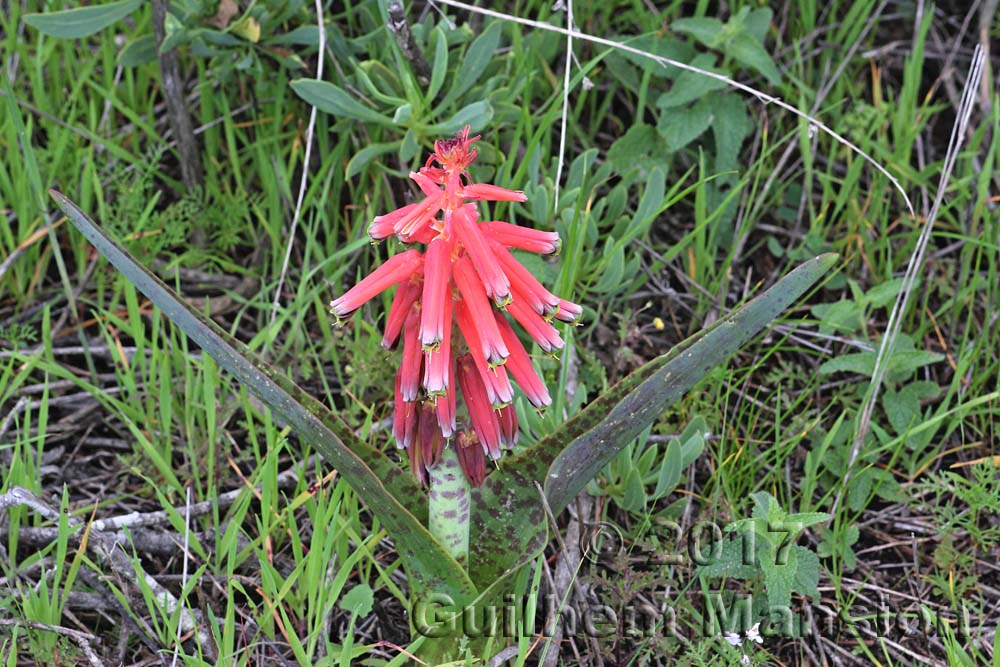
point(449, 505)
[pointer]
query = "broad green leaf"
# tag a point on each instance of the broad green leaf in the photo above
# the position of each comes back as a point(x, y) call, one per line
point(805, 519)
point(614, 267)
point(137, 52)
point(81, 21)
point(706, 30)
point(679, 127)
point(390, 492)
point(508, 527)
point(640, 147)
point(904, 362)
point(807, 572)
point(693, 440)
point(654, 44)
point(477, 58)
point(731, 127)
point(364, 156)
point(670, 470)
point(359, 600)
point(731, 560)
point(336, 101)
point(690, 86)
point(409, 148)
point(779, 573)
point(903, 407)
point(650, 203)
point(635, 492)
point(857, 362)
point(881, 296)
point(747, 51)
point(757, 22)
point(304, 35)
point(767, 510)
point(477, 114)
point(440, 66)
point(403, 115)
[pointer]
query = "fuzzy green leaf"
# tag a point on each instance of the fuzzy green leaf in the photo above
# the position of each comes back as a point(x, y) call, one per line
point(391, 493)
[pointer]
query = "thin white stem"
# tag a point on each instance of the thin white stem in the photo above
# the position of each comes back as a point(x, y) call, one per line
point(565, 107)
point(310, 130)
point(917, 259)
point(184, 568)
point(762, 96)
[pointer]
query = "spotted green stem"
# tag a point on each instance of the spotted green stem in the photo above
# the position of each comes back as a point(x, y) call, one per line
point(449, 506)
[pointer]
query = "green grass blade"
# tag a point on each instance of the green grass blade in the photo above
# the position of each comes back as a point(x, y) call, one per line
point(566, 460)
point(388, 490)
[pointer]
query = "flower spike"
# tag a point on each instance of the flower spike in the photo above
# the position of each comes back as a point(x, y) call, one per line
point(466, 266)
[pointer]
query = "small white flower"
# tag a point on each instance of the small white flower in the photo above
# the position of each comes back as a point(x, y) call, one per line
point(559, 6)
point(753, 634)
point(732, 638)
point(587, 83)
point(745, 660)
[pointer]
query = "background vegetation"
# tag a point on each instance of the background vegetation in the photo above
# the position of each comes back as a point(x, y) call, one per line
point(679, 198)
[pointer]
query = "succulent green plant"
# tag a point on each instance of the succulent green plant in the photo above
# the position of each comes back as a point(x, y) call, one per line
point(508, 527)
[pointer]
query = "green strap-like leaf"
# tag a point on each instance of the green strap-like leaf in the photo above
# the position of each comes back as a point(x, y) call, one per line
point(601, 432)
point(334, 100)
point(391, 493)
point(508, 522)
point(81, 21)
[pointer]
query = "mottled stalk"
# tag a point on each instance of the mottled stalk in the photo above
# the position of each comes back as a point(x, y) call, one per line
point(449, 506)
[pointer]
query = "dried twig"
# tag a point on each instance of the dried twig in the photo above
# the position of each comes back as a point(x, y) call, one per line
point(177, 112)
point(400, 27)
point(567, 566)
point(106, 548)
point(81, 639)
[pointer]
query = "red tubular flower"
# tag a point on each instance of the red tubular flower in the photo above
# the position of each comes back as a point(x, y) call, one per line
point(537, 327)
point(494, 279)
point(437, 281)
point(448, 404)
point(437, 363)
point(406, 296)
point(484, 191)
point(513, 236)
point(498, 389)
point(467, 265)
point(409, 370)
point(395, 270)
point(568, 312)
point(540, 299)
point(481, 314)
point(471, 457)
point(519, 365)
point(508, 425)
point(484, 419)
